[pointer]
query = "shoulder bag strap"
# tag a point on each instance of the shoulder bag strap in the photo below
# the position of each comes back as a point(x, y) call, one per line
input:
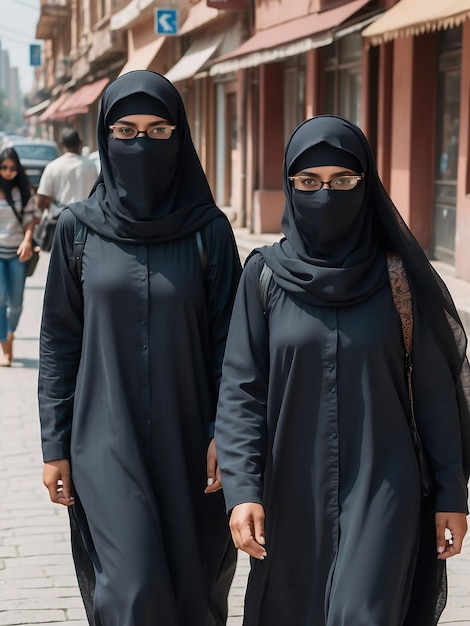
point(401, 294)
point(80, 234)
point(17, 215)
point(264, 280)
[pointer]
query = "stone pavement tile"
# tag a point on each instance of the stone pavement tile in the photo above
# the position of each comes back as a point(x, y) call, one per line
point(57, 547)
point(459, 616)
point(16, 592)
point(33, 538)
point(18, 573)
point(39, 603)
point(26, 618)
point(75, 617)
point(41, 560)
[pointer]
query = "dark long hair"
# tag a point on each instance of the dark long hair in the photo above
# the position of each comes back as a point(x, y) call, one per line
point(21, 180)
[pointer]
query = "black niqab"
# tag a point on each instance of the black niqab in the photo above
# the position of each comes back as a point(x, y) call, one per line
point(329, 256)
point(149, 190)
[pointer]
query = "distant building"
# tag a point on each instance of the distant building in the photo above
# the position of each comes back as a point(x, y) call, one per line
point(9, 81)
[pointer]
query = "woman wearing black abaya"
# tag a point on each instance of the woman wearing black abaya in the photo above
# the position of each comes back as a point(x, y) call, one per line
point(130, 360)
point(318, 466)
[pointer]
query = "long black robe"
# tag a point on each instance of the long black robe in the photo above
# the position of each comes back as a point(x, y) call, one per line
point(147, 316)
point(312, 423)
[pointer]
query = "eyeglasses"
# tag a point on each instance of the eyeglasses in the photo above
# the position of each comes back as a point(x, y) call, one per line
point(130, 132)
point(338, 183)
point(8, 168)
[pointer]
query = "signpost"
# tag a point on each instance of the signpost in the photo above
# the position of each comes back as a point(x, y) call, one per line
point(166, 21)
point(35, 54)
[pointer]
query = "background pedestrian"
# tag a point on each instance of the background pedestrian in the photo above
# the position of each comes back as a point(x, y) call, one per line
point(16, 237)
point(69, 178)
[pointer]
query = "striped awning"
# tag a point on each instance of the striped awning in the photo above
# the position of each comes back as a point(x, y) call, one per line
point(415, 17)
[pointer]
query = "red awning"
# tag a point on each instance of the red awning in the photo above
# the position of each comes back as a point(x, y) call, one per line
point(273, 40)
point(78, 102)
point(44, 117)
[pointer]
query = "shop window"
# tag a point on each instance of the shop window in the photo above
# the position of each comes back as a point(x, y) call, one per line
point(449, 70)
point(294, 96)
point(342, 77)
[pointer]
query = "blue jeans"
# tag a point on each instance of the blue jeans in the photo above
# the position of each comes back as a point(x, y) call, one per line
point(12, 280)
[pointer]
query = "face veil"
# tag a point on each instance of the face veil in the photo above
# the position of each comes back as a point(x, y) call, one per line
point(149, 190)
point(329, 255)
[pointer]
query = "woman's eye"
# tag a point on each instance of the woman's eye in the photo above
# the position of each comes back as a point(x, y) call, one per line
point(160, 130)
point(124, 131)
point(309, 182)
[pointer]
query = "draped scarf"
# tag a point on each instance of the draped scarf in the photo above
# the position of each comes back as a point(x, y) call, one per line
point(149, 190)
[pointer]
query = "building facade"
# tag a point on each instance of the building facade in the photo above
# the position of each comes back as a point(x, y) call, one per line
point(250, 70)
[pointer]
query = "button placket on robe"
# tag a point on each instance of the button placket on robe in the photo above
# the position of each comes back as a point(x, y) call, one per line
point(143, 287)
point(331, 414)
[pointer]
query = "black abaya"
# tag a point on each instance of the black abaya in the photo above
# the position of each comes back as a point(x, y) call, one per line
point(130, 364)
point(312, 423)
point(160, 546)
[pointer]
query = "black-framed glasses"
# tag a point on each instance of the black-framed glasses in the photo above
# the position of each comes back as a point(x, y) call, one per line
point(120, 131)
point(345, 182)
point(13, 168)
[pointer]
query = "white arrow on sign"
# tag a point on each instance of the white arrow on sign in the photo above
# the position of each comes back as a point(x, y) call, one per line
point(164, 22)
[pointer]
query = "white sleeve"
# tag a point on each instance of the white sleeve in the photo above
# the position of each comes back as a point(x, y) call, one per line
point(46, 184)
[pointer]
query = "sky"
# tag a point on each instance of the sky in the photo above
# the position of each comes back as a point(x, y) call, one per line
point(17, 31)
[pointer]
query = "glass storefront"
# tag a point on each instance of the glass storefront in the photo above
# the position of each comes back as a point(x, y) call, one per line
point(342, 77)
point(447, 144)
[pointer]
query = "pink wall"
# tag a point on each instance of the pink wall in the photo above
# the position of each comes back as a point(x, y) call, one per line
point(271, 142)
point(412, 136)
point(269, 13)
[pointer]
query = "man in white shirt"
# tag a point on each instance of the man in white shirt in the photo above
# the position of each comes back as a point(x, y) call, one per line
point(68, 178)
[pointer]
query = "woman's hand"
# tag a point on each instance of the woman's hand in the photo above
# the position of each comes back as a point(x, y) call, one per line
point(25, 249)
point(56, 477)
point(214, 482)
point(456, 524)
point(247, 527)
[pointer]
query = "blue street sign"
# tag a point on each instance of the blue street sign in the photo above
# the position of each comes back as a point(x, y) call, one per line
point(166, 21)
point(35, 54)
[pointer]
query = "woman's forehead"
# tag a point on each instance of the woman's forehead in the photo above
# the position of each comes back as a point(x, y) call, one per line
point(335, 132)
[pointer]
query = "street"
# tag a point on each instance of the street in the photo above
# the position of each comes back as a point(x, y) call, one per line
point(37, 580)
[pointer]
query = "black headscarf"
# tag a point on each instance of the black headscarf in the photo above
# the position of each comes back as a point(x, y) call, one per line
point(329, 256)
point(297, 272)
point(148, 190)
point(20, 182)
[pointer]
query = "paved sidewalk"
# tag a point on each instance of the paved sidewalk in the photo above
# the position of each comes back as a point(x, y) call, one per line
point(37, 580)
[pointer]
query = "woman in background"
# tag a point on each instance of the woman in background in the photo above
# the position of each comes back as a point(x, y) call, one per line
point(16, 245)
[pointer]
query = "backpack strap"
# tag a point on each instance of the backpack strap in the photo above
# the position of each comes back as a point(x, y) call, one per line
point(202, 249)
point(81, 232)
point(264, 280)
point(80, 235)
